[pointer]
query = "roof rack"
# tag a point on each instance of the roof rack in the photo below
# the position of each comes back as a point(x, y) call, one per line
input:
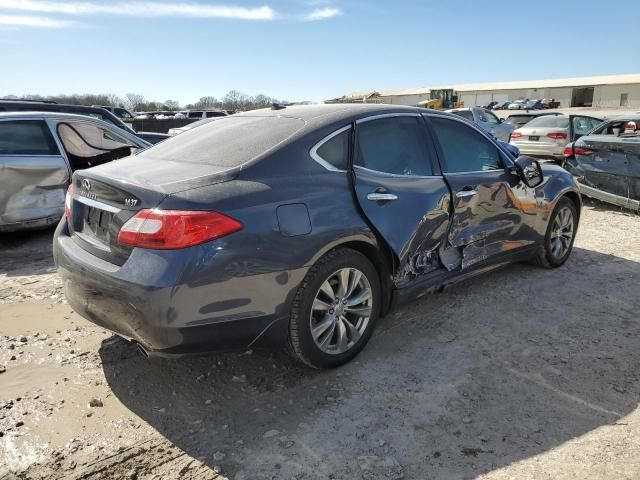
point(27, 100)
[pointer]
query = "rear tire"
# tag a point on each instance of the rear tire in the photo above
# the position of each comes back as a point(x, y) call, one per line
point(335, 309)
point(561, 233)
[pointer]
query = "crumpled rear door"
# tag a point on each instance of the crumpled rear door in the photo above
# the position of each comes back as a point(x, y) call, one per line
point(32, 189)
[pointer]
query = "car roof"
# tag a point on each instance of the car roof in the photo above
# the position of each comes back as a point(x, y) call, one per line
point(49, 106)
point(35, 114)
point(317, 116)
point(631, 117)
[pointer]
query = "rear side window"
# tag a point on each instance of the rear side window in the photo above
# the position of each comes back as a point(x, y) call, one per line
point(227, 142)
point(395, 145)
point(464, 149)
point(26, 137)
point(335, 151)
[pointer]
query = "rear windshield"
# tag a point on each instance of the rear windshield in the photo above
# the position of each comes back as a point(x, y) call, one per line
point(549, 121)
point(227, 142)
point(464, 114)
point(518, 119)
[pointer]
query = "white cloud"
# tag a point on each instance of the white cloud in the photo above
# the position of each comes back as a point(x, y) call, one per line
point(323, 14)
point(29, 21)
point(142, 9)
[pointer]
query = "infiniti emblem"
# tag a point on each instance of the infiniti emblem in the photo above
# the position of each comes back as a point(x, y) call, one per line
point(86, 184)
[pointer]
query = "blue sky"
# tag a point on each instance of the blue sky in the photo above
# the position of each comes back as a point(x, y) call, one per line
point(304, 50)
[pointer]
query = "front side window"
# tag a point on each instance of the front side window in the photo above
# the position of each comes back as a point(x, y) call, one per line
point(464, 149)
point(195, 115)
point(395, 145)
point(335, 151)
point(26, 137)
point(583, 125)
point(490, 118)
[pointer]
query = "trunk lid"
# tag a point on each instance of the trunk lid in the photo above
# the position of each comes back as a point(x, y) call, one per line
point(105, 197)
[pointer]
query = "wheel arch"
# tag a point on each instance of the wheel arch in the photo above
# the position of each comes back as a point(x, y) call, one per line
point(575, 198)
point(378, 253)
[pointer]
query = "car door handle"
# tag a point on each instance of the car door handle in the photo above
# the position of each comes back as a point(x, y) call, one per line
point(381, 197)
point(466, 193)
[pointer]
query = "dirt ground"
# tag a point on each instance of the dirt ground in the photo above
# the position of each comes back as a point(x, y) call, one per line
point(525, 373)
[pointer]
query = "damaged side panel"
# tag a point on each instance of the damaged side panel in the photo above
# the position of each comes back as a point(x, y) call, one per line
point(613, 166)
point(32, 190)
point(499, 217)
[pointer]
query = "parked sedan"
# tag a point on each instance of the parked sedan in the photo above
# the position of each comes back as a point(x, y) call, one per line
point(606, 162)
point(301, 225)
point(517, 105)
point(546, 136)
point(502, 105)
point(485, 120)
point(38, 154)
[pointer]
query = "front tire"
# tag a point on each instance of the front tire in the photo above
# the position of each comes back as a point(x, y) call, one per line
point(561, 233)
point(335, 309)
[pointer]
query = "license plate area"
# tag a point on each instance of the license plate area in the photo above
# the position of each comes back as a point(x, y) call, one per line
point(534, 138)
point(95, 222)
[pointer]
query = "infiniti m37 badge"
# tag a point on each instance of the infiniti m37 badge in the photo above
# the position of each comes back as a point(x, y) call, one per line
point(130, 202)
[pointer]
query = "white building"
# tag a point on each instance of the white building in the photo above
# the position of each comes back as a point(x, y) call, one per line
point(611, 91)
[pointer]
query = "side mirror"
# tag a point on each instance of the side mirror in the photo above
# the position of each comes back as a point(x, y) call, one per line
point(529, 170)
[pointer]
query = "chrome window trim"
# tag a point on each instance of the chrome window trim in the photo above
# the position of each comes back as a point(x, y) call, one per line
point(386, 115)
point(314, 150)
point(28, 155)
point(476, 172)
point(395, 175)
point(96, 204)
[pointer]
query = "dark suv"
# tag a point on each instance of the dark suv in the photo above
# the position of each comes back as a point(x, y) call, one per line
point(96, 112)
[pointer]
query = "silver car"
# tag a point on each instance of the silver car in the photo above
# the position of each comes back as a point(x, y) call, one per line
point(38, 153)
point(546, 136)
point(486, 120)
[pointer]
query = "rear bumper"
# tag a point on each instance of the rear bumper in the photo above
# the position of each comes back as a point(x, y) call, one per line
point(161, 300)
point(539, 149)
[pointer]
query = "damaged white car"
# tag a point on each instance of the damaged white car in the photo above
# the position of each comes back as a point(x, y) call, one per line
point(39, 151)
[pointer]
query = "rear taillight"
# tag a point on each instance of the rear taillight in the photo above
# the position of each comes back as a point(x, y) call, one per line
point(68, 199)
point(582, 151)
point(171, 229)
point(567, 152)
point(557, 135)
point(516, 134)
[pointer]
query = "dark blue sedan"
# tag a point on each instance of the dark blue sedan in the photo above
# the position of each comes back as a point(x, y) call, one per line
point(301, 226)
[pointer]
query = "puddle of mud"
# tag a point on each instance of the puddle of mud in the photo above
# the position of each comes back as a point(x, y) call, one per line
point(27, 318)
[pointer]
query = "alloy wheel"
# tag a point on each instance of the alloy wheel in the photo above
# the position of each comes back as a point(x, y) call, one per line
point(562, 232)
point(341, 310)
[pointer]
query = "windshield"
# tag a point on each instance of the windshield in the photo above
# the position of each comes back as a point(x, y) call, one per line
point(549, 121)
point(227, 142)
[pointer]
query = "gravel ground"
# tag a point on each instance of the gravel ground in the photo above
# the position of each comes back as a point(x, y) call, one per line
point(527, 373)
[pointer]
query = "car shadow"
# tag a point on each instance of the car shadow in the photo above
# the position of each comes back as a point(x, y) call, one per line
point(27, 252)
point(455, 385)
